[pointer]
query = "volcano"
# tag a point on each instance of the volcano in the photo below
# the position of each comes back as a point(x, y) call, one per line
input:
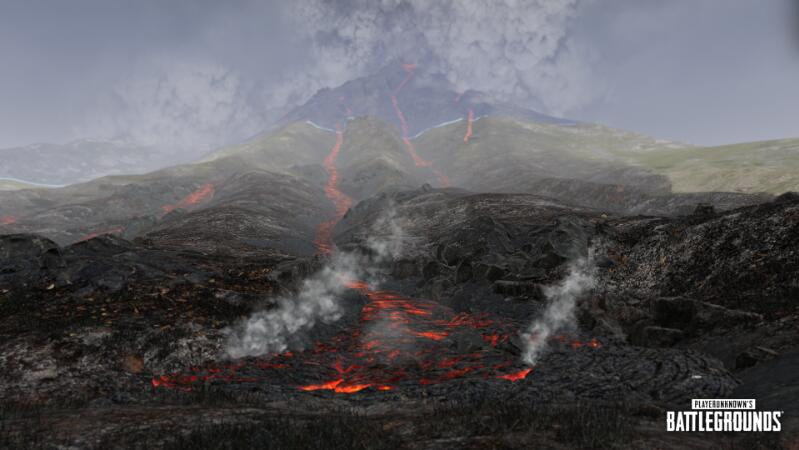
point(427, 100)
point(458, 222)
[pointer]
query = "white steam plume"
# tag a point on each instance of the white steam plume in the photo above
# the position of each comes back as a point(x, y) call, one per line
point(273, 330)
point(519, 50)
point(560, 311)
point(270, 331)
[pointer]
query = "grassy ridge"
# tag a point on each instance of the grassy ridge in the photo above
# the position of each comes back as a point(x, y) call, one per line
point(766, 166)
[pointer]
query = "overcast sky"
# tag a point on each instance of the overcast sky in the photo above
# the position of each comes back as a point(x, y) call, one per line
point(207, 72)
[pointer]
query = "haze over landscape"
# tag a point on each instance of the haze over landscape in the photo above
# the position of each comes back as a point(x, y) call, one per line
point(699, 72)
point(396, 223)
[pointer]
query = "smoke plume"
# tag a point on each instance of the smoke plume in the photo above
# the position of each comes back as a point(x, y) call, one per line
point(514, 50)
point(182, 105)
point(560, 311)
point(232, 82)
point(275, 330)
point(271, 331)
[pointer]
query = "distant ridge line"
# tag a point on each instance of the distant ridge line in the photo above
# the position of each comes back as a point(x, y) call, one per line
point(33, 183)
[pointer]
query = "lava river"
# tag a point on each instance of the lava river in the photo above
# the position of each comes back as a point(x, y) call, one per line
point(395, 342)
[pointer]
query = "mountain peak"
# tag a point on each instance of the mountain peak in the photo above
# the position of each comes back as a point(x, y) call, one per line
point(407, 96)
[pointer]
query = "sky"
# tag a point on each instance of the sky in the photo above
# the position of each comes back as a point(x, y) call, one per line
point(205, 73)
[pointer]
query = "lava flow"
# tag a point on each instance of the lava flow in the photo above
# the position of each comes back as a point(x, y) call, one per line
point(469, 121)
point(7, 220)
point(418, 160)
point(116, 230)
point(203, 194)
point(324, 239)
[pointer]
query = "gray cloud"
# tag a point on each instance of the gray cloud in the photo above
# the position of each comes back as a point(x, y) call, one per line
point(182, 104)
point(515, 50)
point(200, 73)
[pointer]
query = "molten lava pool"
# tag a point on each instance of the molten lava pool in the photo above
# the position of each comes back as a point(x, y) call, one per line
point(396, 342)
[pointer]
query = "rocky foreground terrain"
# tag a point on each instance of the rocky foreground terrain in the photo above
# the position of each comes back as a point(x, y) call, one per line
point(109, 342)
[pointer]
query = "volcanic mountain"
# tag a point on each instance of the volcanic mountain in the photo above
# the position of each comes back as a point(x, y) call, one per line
point(350, 280)
point(425, 99)
point(578, 164)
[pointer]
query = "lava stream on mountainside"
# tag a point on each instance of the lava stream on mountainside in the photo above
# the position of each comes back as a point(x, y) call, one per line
point(469, 121)
point(341, 201)
point(203, 194)
point(418, 160)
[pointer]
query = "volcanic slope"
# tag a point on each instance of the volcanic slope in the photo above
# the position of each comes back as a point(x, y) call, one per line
point(581, 164)
point(577, 164)
point(250, 194)
point(278, 177)
point(414, 100)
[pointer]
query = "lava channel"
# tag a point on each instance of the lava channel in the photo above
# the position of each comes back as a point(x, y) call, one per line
point(469, 121)
point(203, 194)
point(324, 232)
point(418, 160)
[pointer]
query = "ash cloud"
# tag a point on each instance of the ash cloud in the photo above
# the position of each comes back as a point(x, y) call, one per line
point(183, 105)
point(560, 311)
point(513, 50)
point(93, 68)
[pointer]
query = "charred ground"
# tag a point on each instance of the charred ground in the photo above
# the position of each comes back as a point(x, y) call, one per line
point(88, 327)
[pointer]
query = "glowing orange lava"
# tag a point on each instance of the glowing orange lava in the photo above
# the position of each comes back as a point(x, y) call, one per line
point(469, 120)
point(7, 220)
point(434, 335)
point(418, 160)
point(203, 194)
point(116, 230)
point(324, 232)
point(516, 376)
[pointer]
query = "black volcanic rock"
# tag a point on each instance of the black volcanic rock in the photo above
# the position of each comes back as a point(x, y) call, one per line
point(135, 310)
point(27, 259)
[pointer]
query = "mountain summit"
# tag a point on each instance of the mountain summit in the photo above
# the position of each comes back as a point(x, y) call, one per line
point(425, 99)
